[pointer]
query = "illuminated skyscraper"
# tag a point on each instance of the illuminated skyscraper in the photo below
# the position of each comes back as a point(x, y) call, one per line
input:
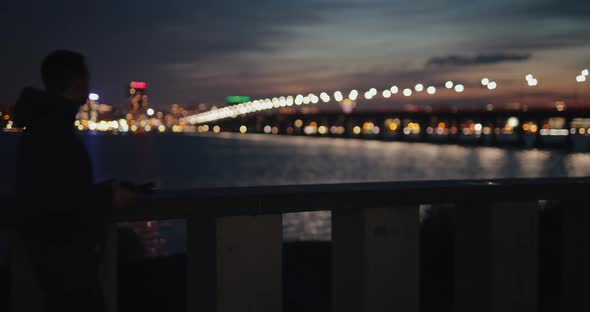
point(137, 97)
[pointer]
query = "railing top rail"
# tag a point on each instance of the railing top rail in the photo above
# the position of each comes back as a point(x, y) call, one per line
point(179, 204)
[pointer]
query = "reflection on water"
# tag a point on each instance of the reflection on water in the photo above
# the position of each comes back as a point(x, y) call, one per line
point(191, 161)
point(246, 160)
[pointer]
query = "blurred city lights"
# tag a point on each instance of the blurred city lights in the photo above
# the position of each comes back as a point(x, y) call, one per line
point(325, 97)
point(492, 85)
point(386, 94)
point(485, 81)
point(431, 90)
point(533, 82)
point(373, 91)
point(419, 87)
point(459, 88)
point(449, 84)
point(512, 122)
point(407, 92)
point(529, 77)
point(93, 97)
point(581, 78)
point(394, 90)
point(243, 129)
point(585, 72)
point(150, 112)
point(368, 95)
point(338, 96)
point(353, 95)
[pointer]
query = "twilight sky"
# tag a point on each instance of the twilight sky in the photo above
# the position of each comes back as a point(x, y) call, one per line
point(202, 51)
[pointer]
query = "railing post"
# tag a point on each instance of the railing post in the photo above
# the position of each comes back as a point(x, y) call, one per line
point(496, 257)
point(249, 263)
point(375, 259)
point(201, 261)
point(235, 264)
point(575, 256)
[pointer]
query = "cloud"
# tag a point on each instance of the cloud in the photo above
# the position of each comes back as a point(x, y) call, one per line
point(481, 59)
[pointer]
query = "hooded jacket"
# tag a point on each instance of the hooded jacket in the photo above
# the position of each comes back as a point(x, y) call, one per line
point(60, 207)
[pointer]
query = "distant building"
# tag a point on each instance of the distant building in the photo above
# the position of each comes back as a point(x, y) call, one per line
point(137, 95)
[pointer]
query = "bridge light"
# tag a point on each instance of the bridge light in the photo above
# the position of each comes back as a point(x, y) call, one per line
point(313, 98)
point(368, 95)
point(394, 90)
point(338, 96)
point(485, 82)
point(354, 94)
point(419, 87)
point(386, 94)
point(243, 129)
point(581, 78)
point(533, 82)
point(290, 101)
point(373, 91)
point(459, 88)
point(93, 97)
point(299, 99)
point(492, 85)
point(585, 72)
point(325, 97)
point(306, 100)
point(431, 90)
point(529, 77)
point(449, 84)
point(150, 112)
point(407, 92)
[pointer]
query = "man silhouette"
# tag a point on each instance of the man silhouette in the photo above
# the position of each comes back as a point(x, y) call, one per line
point(61, 207)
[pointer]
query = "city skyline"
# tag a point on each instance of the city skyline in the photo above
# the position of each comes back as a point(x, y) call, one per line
point(201, 52)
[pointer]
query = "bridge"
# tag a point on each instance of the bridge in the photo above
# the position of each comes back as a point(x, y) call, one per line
point(560, 125)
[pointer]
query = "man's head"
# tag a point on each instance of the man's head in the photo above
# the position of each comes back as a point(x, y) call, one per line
point(65, 73)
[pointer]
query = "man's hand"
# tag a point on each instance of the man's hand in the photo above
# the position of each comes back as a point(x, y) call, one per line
point(123, 196)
